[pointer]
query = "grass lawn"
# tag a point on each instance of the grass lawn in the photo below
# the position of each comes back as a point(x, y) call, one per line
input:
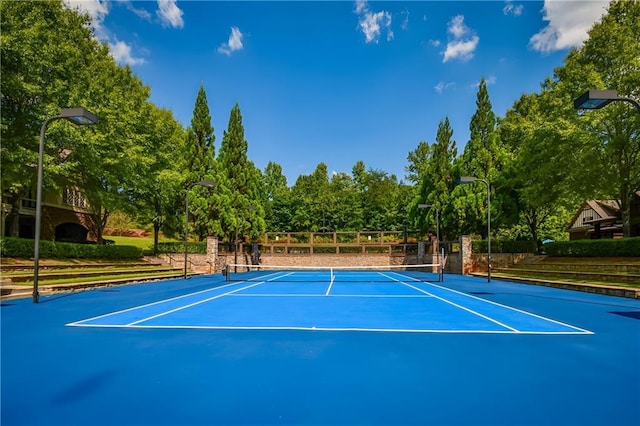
point(142, 242)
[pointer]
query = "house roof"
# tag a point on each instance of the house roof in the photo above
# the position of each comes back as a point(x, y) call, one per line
point(607, 210)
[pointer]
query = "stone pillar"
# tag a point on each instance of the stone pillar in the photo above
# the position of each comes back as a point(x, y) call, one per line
point(466, 261)
point(212, 253)
point(422, 249)
point(435, 257)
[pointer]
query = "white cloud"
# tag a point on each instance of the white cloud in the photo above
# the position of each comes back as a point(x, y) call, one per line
point(457, 28)
point(405, 22)
point(442, 86)
point(372, 24)
point(96, 9)
point(513, 9)
point(464, 41)
point(234, 43)
point(435, 43)
point(361, 5)
point(170, 14)
point(121, 52)
point(568, 24)
point(141, 13)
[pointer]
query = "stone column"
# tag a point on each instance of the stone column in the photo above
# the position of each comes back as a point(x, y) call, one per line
point(466, 261)
point(212, 253)
point(435, 257)
point(422, 249)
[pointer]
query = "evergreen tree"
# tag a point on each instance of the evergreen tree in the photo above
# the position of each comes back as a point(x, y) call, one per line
point(243, 213)
point(483, 157)
point(200, 152)
point(438, 181)
point(204, 204)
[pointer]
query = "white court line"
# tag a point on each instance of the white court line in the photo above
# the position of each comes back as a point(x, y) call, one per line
point(513, 309)
point(456, 305)
point(192, 304)
point(356, 329)
point(333, 278)
point(153, 303)
point(408, 296)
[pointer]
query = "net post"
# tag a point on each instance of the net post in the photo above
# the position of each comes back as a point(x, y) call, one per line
point(441, 277)
point(226, 272)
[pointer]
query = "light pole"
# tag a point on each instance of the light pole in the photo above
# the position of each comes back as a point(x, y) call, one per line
point(79, 116)
point(596, 99)
point(207, 184)
point(471, 179)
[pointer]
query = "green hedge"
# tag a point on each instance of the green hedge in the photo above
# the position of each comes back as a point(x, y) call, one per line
point(595, 248)
point(178, 247)
point(504, 246)
point(21, 247)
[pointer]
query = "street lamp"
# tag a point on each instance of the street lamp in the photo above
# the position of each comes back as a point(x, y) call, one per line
point(79, 116)
point(471, 179)
point(596, 99)
point(207, 184)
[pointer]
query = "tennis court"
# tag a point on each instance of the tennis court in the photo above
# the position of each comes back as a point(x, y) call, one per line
point(331, 346)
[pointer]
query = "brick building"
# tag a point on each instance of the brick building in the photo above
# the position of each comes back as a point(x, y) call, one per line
point(64, 216)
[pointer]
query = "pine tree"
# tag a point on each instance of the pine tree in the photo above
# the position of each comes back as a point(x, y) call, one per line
point(204, 204)
point(244, 213)
point(484, 157)
point(200, 140)
point(438, 177)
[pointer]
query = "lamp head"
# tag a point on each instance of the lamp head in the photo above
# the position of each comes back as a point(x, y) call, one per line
point(467, 179)
point(595, 99)
point(79, 116)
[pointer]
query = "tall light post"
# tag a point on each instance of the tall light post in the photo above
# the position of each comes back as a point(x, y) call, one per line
point(79, 116)
point(207, 184)
point(471, 179)
point(596, 99)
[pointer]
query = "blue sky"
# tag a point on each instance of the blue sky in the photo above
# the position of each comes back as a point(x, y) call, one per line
point(338, 82)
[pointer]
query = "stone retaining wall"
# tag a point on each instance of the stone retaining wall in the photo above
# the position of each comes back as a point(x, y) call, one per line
point(463, 262)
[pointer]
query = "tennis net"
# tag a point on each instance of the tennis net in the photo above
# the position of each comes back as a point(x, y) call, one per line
point(388, 273)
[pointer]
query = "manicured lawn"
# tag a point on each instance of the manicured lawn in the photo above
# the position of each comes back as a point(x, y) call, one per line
point(142, 242)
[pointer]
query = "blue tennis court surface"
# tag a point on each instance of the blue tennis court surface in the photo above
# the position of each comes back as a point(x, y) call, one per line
point(303, 301)
point(277, 351)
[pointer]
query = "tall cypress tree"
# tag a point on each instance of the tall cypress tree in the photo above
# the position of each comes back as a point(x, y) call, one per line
point(200, 165)
point(438, 176)
point(200, 140)
point(244, 213)
point(484, 157)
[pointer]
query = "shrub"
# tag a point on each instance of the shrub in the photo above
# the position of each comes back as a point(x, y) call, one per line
point(504, 246)
point(199, 247)
point(22, 247)
point(595, 248)
point(16, 247)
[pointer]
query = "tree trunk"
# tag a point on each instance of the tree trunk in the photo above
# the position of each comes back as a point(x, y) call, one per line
point(625, 209)
point(13, 218)
point(156, 231)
